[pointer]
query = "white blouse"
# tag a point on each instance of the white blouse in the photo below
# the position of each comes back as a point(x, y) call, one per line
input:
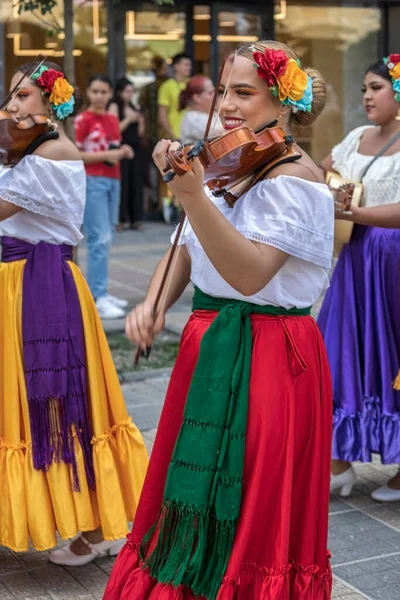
point(288, 213)
point(53, 194)
point(381, 185)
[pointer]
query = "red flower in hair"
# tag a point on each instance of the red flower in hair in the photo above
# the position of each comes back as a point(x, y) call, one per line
point(47, 79)
point(270, 65)
point(394, 58)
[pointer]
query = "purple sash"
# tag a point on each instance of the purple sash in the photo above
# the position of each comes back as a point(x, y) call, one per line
point(54, 355)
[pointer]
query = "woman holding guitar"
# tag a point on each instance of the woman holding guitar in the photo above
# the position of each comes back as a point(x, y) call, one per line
point(235, 503)
point(360, 317)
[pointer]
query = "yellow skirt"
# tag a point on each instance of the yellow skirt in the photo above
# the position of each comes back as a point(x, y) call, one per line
point(35, 504)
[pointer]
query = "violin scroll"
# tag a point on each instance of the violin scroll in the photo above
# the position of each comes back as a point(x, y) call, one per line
point(178, 161)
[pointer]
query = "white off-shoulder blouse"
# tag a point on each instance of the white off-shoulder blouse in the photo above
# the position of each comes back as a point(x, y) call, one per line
point(53, 194)
point(381, 184)
point(288, 213)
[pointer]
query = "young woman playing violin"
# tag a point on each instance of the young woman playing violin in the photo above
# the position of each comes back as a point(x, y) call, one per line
point(70, 458)
point(235, 502)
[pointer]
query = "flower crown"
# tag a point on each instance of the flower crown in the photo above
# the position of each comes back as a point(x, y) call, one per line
point(286, 79)
point(393, 64)
point(60, 91)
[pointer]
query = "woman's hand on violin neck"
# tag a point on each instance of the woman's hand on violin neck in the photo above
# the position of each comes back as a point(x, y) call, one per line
point(141, 327)
point(186, 187)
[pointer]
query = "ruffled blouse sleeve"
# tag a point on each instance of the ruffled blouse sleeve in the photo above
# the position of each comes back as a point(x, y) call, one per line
point(289, 213)
point(50, 188)
point(342, 151)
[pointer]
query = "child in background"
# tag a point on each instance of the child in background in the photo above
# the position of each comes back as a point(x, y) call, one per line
point(98, 138)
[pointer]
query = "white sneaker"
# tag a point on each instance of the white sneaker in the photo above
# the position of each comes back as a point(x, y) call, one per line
point(65, 556)
point(343, 482)
point(117, 301)
point(386, 494)
point(108, 310)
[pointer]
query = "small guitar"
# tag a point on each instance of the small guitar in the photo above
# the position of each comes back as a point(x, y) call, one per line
point(343, 229)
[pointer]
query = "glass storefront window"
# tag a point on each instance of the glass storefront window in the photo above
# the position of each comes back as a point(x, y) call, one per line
point(341, 42)
point(29, 34)
point(149, 34)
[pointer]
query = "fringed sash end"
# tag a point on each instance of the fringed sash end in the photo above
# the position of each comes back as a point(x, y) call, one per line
point(188, 546)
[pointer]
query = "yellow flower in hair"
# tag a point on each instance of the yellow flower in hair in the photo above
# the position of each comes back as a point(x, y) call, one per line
point(293, 83)
point(62, 91)
point(395, 72)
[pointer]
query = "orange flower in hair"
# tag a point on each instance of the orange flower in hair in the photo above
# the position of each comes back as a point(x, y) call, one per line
point(62, 91)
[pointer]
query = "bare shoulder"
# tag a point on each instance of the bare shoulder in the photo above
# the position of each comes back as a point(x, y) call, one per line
point(58, 150)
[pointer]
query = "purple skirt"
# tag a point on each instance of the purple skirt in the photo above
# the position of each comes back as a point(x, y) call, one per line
point(360, 323)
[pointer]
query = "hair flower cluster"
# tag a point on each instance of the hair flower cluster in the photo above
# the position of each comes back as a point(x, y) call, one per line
point(286, 79)
point(393, 64)
point(61, 93)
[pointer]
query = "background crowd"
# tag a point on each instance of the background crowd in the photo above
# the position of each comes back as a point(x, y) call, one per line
point(116, 135)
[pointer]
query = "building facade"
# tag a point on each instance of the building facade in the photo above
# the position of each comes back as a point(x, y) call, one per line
point(338, 37)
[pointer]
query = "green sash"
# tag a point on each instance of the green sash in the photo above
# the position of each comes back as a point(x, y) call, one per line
point(202, 498)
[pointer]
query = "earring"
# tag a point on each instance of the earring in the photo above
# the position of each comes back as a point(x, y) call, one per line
point(52, 123)
point(397, 117)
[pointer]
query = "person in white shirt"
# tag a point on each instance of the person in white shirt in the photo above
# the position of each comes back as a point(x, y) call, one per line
point(360, 318)
point(196, 98)
point(65, 435)
point(236, 498)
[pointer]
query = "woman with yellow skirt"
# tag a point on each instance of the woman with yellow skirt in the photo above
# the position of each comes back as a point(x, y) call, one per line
point(71, 460)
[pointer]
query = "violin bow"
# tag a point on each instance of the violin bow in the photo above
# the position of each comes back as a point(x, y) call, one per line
point(174, 254)
point(165, 283)
point(31, 71)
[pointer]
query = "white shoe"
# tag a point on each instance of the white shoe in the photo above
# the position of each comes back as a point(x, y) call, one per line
point(117, 301)
point(386, 494)
point(108, 310)
point(65, 556)
point(343, 482)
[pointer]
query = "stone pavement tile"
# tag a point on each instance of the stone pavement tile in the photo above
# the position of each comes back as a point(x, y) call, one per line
point(389, 513)
point(355, 536)
point(92, 577)
point(340, 591)
point(24, 587)
point(5, 594)
point(59, 584)
point(380, 581)
point(337, 505)
point(149, 437)
point(9, 562)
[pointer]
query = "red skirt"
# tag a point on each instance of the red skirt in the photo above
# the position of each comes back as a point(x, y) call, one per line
point(280, 547)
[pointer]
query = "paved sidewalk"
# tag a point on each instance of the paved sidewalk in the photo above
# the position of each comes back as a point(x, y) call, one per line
point(364, 536)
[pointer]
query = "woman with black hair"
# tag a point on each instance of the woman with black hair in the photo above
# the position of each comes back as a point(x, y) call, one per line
point(360, 317)
point(131, 125)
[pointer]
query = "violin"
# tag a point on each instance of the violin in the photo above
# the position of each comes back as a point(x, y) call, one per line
point(18, 135)
point(21, 136)
point(233, 157)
